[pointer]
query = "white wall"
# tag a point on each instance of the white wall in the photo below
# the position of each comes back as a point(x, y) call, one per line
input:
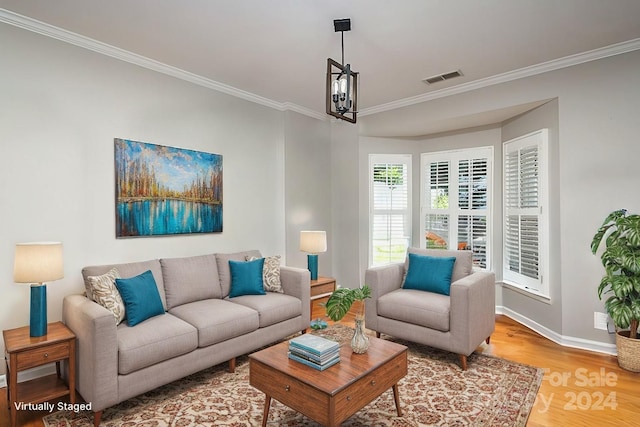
point(344, 201)
point(597, 151)
point(307, 186)
point(61, 107)
point(597, 155)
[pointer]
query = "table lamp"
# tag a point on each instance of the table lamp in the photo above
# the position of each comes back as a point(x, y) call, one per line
point(313, 242)
point(36, 263)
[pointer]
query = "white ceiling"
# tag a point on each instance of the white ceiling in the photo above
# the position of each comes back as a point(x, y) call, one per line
point(276, 50)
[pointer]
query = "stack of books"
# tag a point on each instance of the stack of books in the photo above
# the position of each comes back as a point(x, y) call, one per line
point(314, 351)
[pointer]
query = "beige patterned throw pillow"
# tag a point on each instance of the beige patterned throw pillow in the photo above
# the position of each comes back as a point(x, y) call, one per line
point(105, 293)
point(270, 273)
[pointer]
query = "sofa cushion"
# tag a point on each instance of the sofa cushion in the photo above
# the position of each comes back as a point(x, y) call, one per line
point(270, 273)
point(462, 267)
point(129, 270)
point(153, 341)
point(246, 277)
point(427, 273)
point(223, 267)
point(141, 297)
point(190, 279)
point(104, 292)
point(418, 307)
point(217, 320)
point(272, 307)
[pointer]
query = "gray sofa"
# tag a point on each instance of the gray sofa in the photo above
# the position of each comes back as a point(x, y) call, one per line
point(201, 326)
point(458, 323)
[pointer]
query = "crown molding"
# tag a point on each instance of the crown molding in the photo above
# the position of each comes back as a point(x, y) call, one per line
point(66, 36)
point(556, 64)
point(303, 110)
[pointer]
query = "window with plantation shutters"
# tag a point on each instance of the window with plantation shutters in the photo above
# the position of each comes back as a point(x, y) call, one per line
point(390, 208)
point(525, 212)
point(456, 203)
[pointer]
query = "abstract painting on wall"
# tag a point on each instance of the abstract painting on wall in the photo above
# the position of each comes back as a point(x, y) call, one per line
point(164, 190)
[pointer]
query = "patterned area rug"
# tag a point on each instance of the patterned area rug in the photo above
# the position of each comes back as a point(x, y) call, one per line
point(435, 392)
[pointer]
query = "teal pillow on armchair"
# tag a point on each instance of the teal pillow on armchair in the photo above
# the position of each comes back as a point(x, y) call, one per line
point(431, 274)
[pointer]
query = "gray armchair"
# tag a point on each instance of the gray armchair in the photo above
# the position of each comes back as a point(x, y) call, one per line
point(457, 323)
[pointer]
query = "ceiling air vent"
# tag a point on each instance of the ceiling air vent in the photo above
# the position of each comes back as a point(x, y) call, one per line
point(442, 77)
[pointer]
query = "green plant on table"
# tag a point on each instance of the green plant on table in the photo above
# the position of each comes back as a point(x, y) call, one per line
point(621, 260)
point(341, 300)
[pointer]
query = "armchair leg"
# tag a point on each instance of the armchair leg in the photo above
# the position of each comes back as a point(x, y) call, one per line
point(377, 334)
point(463, 361)
point(488, 339)
point(232, 365)
point(96, 418)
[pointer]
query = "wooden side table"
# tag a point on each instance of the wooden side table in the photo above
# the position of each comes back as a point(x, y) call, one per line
point(321, 288)
point(24, 352)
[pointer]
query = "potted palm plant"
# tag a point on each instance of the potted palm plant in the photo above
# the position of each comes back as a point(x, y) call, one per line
point(340, 302)
point(621, 259)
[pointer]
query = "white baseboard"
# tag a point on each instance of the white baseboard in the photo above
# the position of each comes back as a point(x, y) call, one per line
point(563, 340)
point(30, 374)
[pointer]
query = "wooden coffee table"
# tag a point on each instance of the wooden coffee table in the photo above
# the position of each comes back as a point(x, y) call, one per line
point(333, 395)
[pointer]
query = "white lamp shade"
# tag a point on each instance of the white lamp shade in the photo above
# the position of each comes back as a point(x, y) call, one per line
point(38, 262)
point(313, 242)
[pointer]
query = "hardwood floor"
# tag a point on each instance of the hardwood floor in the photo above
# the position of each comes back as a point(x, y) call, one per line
point(580, 388)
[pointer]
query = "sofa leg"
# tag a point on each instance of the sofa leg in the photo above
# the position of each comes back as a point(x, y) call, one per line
point(96, 418)
point(304, 331)
point(488, 339)
point(232, 365)
point(377, 334)
point(463, 361)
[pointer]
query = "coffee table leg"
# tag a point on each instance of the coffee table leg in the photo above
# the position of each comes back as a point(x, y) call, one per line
point(396, 397)
point(265, 412)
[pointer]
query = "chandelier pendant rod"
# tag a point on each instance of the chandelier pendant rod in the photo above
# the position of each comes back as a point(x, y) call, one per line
point(342, 33)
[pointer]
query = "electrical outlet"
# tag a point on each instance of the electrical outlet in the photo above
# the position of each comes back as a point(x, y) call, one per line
point(600, 320)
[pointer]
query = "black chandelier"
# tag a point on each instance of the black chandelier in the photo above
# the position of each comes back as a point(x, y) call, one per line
point(342, 82)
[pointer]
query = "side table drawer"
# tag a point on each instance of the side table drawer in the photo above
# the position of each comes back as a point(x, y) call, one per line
point(365, 390)
point(289, 391)
point(322, 289)
point(40, 356)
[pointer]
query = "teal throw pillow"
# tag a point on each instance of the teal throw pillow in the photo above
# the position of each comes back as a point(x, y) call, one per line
point(246, 277)
point(427, 273)
point(141, 297)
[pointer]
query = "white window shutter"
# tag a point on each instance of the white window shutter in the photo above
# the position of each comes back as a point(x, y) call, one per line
point(524, 180)
point(390, 201)
point(456, 203)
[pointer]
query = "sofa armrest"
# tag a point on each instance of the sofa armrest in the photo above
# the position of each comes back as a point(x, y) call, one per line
point(381, 280)
point(97, 350)
point(297, 282)
point(473, 310)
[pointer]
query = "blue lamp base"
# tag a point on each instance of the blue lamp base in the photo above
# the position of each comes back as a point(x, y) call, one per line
point(38, 317)
point(312, 263)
